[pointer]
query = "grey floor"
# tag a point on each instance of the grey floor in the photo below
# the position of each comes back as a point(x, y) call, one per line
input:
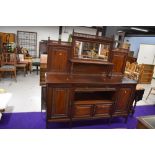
point(26, 93)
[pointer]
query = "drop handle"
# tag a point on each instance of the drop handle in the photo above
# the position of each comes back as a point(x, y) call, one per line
point(60, 54)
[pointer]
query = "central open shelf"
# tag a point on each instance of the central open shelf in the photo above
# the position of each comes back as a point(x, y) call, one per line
point(93, 96)
point(94, 89)
point(92, 102)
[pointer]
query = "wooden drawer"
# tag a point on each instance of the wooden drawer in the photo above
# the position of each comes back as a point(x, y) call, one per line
point(102, 110)
point(82, 111)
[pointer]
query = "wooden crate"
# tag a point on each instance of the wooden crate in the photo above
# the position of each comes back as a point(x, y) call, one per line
point(146, 74)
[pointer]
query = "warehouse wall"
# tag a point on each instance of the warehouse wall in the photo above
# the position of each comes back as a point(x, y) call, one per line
point(111, 30)
point(136, 41)
point(43, 32)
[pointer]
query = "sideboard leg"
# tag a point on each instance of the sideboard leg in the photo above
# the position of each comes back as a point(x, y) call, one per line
point(110, 120)
point(70, 124)
point(126, 119)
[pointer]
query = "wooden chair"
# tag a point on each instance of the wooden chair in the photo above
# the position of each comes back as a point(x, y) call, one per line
point(8, 64)
point(130, 69)
point(137, 72)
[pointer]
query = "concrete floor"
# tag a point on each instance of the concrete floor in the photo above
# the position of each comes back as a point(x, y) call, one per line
point(26, 93)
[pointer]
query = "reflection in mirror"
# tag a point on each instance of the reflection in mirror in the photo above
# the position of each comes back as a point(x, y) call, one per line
point(86, 50)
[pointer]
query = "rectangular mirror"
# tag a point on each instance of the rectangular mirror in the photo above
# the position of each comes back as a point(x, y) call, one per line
point(88, 50)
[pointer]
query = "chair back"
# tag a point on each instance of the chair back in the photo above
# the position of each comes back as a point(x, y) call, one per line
point(8, 59)
point(133, 67)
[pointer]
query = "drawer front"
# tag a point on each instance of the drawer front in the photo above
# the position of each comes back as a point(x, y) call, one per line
point(82, 111)
point(102, 110)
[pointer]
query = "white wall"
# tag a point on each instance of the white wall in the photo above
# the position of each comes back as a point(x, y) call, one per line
point(43, 32)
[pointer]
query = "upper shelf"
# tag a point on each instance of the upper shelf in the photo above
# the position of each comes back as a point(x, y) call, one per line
point(89, 61)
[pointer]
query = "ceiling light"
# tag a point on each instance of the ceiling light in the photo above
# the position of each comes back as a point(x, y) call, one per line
point(119, 31)
point(139, 29)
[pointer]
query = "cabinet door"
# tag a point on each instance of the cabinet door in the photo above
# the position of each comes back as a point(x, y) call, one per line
point(57, 60)
point(123, 100)
point(102, 110)
point(82, 111)
point(119, 60)
point(58, 102)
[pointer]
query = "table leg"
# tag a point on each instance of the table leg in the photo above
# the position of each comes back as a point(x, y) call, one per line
point(37, 69)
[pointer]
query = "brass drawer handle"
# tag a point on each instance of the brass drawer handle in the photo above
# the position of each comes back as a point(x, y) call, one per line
point(60, 53)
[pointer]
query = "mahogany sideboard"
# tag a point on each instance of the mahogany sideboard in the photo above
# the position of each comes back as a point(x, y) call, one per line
point(84, 80)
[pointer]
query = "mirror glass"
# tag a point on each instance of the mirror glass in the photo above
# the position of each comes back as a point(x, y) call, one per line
point(87, 50)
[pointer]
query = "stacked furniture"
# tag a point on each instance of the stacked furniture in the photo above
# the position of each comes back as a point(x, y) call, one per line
point(146, 74)
point(80, 85)
point(143, 73)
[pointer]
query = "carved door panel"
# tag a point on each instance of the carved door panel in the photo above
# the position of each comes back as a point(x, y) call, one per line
point(119, 60)
point(58, 59)
point(60, 102)
point(123, 100)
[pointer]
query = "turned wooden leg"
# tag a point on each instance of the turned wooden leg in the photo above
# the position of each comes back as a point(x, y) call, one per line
point(109, 121)
point(46, 124)
point(126, 119)
point(15, 76)
point(70, 124)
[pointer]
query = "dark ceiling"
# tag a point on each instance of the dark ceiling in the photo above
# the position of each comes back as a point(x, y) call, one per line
point(130, 32)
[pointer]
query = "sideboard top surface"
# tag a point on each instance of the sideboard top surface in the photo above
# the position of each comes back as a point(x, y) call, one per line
point(52, 78)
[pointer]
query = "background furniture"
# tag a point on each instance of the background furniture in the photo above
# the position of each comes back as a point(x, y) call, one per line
point(28, 40)
point(43, 47)
point(6, 41)
point(146, 55)
point(8, 64)
point(146, 122)
point(36, 64)
point(43, 68)
point(141, 72)
point(20, 66)
point(146, 74)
